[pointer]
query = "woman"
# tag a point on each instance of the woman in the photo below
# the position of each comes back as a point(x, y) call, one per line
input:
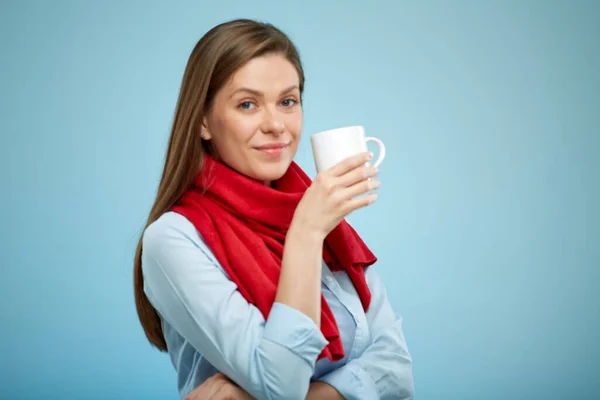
point(247, 273)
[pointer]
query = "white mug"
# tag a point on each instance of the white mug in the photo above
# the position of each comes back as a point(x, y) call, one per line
point(332, 146)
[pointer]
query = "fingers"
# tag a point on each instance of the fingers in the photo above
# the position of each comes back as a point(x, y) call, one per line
point(219, 382)
point(355, 204)
point(352, 180)
point(208, 388)
point(359, 188)
point(228, 392)
point(358, 174)
point(200, 391)
point(349, 164)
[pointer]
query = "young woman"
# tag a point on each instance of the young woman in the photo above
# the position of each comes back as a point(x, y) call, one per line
point(247, 273)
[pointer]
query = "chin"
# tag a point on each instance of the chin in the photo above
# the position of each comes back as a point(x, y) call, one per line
point(270, 171)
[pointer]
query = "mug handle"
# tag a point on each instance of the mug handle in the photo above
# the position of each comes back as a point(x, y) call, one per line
point(381, 147)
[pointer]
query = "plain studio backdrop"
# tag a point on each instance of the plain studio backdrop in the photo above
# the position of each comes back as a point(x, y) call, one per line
point(487, 226)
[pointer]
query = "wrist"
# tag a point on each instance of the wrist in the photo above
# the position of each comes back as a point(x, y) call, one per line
point(306, 233)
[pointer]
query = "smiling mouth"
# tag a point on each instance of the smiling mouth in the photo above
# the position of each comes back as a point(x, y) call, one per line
point(275, 149)
point(274, 146)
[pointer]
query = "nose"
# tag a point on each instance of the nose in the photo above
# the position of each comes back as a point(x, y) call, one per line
point(272, 123)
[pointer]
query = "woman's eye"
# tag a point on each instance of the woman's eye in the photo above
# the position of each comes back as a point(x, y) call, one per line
point(288, 102)
point(246, 105)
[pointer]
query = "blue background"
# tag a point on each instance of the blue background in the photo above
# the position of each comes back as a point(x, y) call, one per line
point(487, 226)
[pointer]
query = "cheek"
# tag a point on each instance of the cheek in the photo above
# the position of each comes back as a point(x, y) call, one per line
point(294, 124)
point(235, 129)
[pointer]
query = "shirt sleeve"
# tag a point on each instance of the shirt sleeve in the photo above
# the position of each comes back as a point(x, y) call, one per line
point(268, 359)
point(384, 370)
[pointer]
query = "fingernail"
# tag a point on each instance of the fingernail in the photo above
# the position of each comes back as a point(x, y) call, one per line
point(373, 198)
point(374, 184)
point(370, 156)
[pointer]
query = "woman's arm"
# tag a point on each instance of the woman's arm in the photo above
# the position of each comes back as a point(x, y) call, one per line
point(323, 391)
point(384, 370)
point(302, 257)
point(269, 359)
point(330, 198)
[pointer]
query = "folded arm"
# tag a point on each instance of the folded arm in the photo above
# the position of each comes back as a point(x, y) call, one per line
point(269, 359)
point(384, 370)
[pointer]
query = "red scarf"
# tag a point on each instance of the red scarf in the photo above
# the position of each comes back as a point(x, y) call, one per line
point(245, 223)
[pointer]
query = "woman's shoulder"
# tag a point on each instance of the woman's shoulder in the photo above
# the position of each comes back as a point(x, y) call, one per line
point(169, 225)
point(172, 244)
point(170, 231)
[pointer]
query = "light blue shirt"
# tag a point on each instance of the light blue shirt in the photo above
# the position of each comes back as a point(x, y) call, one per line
point(210, 327)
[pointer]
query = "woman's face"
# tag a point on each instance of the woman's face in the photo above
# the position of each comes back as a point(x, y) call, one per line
point(255, 122)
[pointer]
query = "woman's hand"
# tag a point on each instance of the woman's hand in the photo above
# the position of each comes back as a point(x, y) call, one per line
point(218, 387)
point(331, 197)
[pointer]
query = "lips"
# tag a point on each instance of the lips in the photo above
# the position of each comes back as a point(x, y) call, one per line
point(273, 151)
point(272, 146)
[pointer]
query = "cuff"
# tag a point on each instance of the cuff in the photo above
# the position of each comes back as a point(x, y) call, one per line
point(295, 331)
point(353, 382)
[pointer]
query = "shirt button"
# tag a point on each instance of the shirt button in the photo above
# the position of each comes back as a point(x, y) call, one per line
point(329, 279)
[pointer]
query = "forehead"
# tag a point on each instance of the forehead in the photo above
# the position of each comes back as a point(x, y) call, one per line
point(267, 73)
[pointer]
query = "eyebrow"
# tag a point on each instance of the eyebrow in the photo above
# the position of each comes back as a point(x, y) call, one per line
point(259, 93)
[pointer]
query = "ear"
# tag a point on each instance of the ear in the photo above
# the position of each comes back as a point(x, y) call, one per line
point(204, 132)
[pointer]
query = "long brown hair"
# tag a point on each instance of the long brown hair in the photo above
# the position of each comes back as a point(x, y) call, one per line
point(215, 58)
